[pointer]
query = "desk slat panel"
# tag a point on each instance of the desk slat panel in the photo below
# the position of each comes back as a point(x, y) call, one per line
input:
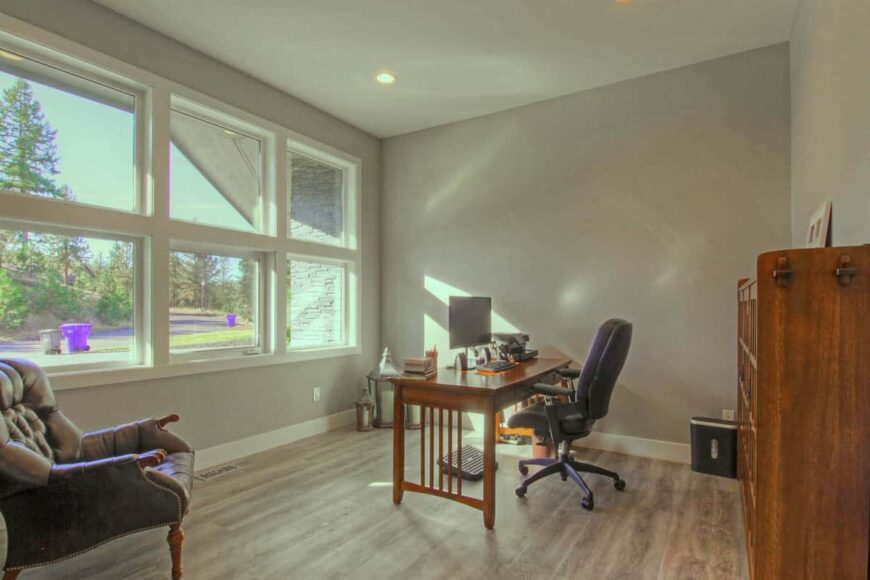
point(432, 447)
point(422, 445)
point(441, 446)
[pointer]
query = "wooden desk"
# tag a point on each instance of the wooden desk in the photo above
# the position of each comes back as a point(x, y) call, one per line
point(456, 392)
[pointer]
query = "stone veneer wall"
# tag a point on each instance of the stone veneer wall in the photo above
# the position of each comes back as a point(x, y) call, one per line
point(316, 289)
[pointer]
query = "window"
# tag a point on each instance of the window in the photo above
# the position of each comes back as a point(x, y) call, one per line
point(315, 303)
point(65, 137)
point(216, 173)
point(213, 302)
point(317, 195)
point(163, 268)
point(66, 299)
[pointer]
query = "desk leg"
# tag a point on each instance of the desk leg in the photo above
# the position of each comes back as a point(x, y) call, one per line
point(398, 444)
point(489, 470)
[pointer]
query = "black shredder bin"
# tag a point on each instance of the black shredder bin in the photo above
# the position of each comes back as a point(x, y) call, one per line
point(714, 446)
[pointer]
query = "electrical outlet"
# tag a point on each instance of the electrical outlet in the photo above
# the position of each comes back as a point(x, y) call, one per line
point(728, 414)
point(316, 394)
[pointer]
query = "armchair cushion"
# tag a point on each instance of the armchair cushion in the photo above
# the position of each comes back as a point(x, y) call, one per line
point(30, 415)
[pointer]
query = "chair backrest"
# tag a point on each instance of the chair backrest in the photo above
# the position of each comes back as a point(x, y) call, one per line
point(602, 367)
point(30, 416)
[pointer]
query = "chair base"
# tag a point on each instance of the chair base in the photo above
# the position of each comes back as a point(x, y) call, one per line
point(567, 467)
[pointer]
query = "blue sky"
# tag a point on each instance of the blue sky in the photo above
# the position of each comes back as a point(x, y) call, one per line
point(95, 147)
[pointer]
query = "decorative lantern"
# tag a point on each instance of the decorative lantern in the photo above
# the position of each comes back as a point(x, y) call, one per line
point(364, 411)
point(381, 388)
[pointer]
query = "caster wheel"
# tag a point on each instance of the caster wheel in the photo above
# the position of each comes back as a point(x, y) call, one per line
point(524, 470)
point(619, 484)
point(588, 503)
point(520, 490)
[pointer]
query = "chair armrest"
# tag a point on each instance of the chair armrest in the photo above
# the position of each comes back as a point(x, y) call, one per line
point(550, 390)
point(567, 373)
point(60, 471)
point(138, 437)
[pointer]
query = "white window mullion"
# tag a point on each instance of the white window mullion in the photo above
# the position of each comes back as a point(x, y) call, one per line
point(158, 289)
point(278, 285)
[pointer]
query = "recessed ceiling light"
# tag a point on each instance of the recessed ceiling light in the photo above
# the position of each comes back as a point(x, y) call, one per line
point(385, 78)
point(10, 55)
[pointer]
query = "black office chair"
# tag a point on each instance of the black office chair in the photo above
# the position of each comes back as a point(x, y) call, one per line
point(563, 422)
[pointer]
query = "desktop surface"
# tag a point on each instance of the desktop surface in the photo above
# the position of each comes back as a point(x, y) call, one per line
point(472, 381)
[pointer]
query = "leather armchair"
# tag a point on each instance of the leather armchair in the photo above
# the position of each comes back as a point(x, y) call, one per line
point(64, 492)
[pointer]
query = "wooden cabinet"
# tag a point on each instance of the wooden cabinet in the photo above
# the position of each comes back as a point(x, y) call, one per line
point(803, 359)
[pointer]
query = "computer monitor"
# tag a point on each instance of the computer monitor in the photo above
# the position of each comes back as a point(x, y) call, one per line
point(470, 321)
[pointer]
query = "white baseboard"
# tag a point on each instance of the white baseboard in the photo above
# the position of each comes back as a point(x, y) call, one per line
point(637, 446)
point(219, 454)
point(225, 452)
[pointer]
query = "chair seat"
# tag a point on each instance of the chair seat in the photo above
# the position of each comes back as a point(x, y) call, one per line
point(535, 417)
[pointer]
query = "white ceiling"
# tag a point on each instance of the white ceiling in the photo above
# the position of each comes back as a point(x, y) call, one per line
point(456, 59)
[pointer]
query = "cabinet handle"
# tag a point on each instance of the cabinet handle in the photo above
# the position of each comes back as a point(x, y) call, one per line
point(783, 273)
point(846, 271)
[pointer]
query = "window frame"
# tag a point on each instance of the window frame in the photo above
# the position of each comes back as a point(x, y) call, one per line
point(187, 355)
point(349, 233)
point(157, 233)
point(81, 71)
point(224, 120)
point(137, 352)
point(348, 305)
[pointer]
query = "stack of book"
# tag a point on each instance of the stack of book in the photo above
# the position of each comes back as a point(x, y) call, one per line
point(419, 366)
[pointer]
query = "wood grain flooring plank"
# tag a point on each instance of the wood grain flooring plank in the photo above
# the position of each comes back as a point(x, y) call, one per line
point(321, 509)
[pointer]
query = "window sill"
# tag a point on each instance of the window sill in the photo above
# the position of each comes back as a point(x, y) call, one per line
point(80, 379)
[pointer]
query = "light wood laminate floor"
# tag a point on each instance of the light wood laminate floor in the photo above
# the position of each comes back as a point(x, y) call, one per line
point(321, 508)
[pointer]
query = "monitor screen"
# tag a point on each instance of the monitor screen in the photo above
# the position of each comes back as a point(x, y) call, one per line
point(470, 321)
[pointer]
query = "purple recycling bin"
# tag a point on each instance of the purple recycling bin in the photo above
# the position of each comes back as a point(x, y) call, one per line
point(231, 320)
point(76, 336)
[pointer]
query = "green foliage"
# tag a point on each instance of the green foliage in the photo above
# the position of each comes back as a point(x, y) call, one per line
point(211, 283)
point(114, 286)
point(114, 308)
point(13, 303)
point(28, 154)
point(51, 295)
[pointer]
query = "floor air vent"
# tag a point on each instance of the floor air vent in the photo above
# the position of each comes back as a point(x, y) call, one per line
point(210, 474)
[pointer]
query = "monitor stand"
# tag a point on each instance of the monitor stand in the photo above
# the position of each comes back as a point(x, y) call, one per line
point(461, 363)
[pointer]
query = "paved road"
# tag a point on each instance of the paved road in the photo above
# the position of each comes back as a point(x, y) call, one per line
point(116, 338)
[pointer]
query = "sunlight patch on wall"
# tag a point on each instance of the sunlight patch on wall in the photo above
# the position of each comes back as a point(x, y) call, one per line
point(443, 291)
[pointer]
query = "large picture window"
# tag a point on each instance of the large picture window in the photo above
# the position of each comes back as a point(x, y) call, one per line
point(149, 227)
point(65, 137)
point(66, 299)
point(214, 302)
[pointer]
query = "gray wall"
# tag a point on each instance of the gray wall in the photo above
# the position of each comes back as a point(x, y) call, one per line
point(647, 200)
point(830, 46)
point(222, 407)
